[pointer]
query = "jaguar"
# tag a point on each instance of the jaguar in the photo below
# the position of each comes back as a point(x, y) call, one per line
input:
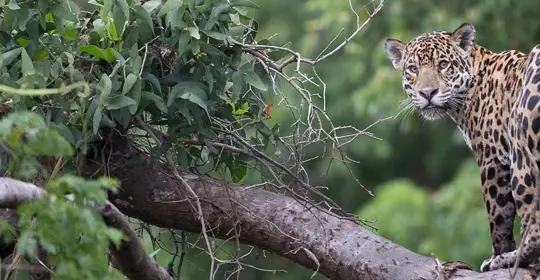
point(493, 97)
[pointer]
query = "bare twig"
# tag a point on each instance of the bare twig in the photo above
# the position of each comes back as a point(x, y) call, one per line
point(297, 57)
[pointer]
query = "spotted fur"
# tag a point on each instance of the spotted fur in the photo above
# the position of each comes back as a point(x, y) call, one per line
point(493, 97)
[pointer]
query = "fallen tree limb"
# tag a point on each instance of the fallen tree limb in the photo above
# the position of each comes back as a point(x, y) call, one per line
point(14, 193)
point(336, 248)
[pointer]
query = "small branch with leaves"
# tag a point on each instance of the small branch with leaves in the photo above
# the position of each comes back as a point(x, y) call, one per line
point(129, 257)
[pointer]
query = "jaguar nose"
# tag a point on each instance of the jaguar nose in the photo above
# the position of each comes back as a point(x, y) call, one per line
point(428, 92)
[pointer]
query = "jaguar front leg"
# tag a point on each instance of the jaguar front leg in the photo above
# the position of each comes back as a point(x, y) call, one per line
point(523, 184)
point(500, 206)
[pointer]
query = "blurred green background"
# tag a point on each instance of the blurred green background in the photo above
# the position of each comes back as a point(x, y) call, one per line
point(425, 181)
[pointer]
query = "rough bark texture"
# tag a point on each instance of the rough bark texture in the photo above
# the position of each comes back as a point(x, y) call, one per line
point(14, 193)
point(337, 248)
point(130, 257)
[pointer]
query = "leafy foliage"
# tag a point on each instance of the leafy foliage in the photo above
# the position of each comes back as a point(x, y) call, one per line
point(179, 64)
point(27, 137)
point(175, 64)
point(72, 233)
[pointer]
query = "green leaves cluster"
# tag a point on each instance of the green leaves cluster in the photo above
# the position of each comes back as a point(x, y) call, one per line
point(177, 63)
point(72, 233)
point(26, 136)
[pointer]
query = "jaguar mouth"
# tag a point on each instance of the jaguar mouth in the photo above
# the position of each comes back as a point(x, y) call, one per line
point(433, 112)
point(432, 106)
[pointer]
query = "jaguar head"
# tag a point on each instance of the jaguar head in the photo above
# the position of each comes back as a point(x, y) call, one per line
point(436, 69)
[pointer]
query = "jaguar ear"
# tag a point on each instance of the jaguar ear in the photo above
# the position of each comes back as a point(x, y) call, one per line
point(464, 36)
point(395, 50)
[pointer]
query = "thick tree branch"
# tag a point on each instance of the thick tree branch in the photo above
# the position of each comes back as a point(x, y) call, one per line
point(14, 193)
point(337, 248)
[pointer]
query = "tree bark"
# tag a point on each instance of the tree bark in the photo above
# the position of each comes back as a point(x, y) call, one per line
point(336, 248)
point(130, 257)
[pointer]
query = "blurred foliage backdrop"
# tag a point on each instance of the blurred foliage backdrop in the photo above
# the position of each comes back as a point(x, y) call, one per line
point(425, 182)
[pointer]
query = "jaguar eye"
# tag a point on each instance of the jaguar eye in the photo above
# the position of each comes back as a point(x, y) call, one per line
point(413, 69)
point(443, 64)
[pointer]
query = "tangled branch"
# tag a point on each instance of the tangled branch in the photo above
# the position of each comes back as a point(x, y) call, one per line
point(312, 125)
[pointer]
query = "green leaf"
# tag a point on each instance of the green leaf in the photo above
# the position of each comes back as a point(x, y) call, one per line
point(214, 15)
point(107, 6)
point(13, 5)
point(96, 120)
point(104, 86)
point(99, 28)
point(209, 49)
point(183, 42)
point(175, 19)
point(63, 13)
point(118, 101)
point(169, 6)
point(254, 80)
point(27, 243)
point(120, 22)
point(52, 144)
point(91, 109)
point(141, 13)
point(109, 55)
point(56, 68)
point(115, 236)
point(124, 7)
point(189, 91)
point(244, 109)
point(156, 99)
point(93, 50)
point(241, 10)
point(27, 65)
point(235, 18)
point(129, 83)
point(66, 133)
point(194, 32)
point(244, 3)
point(209, 78)
point(240, 171)
point(154, 82)
point(41, 54)
point(111, 32)
point(154, 253)
point(151, 5)
point(135, 94)
point(238, 83)
point(216, 35)
point(9, 56)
